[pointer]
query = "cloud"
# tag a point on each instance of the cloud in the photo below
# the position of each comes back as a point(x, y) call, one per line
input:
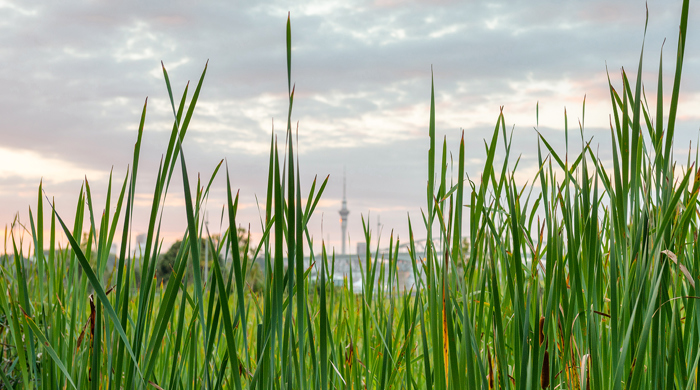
point(76, 76)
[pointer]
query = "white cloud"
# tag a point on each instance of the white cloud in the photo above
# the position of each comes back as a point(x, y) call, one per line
point(75, 77)
point(31, 165)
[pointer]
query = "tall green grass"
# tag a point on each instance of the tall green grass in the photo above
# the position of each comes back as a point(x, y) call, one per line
point(585, 278)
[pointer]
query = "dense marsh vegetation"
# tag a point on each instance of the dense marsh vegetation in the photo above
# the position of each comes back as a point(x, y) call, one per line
point(584, 278)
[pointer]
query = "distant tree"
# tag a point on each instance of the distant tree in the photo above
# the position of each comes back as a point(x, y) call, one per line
point(243, 242)
point(254, 277)
point(167, 259)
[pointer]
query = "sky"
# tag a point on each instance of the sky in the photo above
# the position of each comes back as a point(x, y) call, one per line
point(76, 75)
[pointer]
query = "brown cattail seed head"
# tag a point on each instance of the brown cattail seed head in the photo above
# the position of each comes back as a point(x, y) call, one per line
point(544, 376)
point(541, 330)
point(490, 376)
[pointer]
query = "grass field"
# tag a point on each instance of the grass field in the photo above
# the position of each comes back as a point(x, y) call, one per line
point(585, 278)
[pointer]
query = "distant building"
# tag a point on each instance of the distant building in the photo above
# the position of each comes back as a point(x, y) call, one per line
point(361, 248)
point(353, 269)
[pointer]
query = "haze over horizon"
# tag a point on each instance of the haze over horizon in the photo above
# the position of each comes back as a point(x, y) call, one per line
point(76, 76)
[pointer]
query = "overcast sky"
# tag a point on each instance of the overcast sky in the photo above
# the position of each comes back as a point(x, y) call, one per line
point(75, 76)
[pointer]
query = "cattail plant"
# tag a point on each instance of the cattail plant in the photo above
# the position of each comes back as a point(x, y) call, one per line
point(585, 277)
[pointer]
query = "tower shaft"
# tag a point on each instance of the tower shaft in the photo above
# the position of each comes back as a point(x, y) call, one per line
point(344, 217)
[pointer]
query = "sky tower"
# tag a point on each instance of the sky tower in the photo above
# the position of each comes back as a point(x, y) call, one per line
point(344, 216)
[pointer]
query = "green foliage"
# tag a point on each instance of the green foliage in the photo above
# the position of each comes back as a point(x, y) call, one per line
point(167, 260)
point(586, 279)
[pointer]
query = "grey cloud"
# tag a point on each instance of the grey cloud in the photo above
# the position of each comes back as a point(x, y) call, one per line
point(76, 75)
